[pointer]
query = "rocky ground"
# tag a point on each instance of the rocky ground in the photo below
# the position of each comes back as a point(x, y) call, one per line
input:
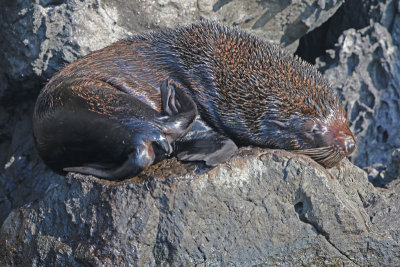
point(262, 207)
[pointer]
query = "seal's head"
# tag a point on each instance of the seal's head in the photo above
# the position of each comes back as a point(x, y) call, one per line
point(327, 141)
point(310, 119)
point(324, 137)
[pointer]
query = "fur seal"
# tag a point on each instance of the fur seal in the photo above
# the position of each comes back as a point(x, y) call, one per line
point(196, 92)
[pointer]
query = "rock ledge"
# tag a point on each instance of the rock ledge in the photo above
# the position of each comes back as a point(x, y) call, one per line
point(265, 207)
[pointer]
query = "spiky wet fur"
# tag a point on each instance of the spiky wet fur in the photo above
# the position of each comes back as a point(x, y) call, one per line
point(250, 90)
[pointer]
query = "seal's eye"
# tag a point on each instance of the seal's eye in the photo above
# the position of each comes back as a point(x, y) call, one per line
point(309, 132)
point(315, 129)
point(318, 129)
point(315, 134)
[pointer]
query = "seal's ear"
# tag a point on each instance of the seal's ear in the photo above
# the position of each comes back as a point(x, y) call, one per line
point(204, 144)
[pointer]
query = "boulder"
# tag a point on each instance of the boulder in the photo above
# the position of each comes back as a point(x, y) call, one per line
point(266, 207)
point(364, 67)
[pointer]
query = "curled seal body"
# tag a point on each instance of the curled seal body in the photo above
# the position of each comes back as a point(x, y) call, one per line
point(195, 92)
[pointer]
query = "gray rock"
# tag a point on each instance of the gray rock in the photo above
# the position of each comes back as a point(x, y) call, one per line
point(393, 169)
point(316, 42)
point(23, 176)
point(362, 63)
point(282, 22)
point(262, 207)
point(364, 68)
point(43, 36)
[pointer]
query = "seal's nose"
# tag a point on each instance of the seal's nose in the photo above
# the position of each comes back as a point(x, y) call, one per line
point(350, 144)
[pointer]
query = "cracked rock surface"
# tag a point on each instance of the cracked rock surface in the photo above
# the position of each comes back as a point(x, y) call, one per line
point(266, 207)
point(371, 58)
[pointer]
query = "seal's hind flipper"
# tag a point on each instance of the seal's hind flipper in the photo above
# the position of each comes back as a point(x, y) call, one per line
point(141, 158)
point(212, 151)
point(178, 110)
point(169, 105)
point(204, 144)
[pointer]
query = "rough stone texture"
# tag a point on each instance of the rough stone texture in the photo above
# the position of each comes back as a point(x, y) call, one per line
point(43, 36)
point(380, 175)
point(372, 94)
point(393, 170)
point(23, 176)
point(316, 42)
point(364, 67)
point(262, 207)
point(282, 22)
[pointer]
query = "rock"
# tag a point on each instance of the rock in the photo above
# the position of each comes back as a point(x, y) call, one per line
point(282, 22)
point(393, 169)
point(382, 175)
point(316, 42)
point(262, 207)
point(372, 94)
point(362, 64)
point(23, 176)
point(43, 36)
point(376, 174)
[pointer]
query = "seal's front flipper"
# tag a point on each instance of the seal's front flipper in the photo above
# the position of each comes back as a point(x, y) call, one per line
point(137, 161)
point(178, 110)
point(204, 144)
point(192, 143)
